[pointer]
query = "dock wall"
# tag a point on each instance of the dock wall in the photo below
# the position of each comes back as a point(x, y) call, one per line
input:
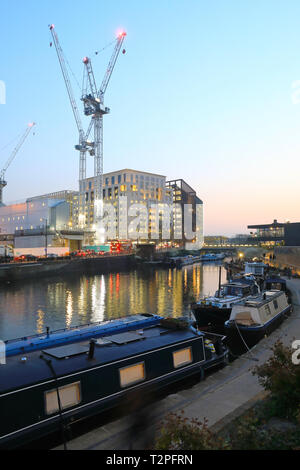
point(99, 265)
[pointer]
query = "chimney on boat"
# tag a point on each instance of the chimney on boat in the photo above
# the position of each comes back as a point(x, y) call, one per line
point(92, 349)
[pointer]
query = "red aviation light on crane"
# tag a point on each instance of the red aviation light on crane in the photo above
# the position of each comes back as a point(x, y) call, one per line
point(31, 124)
point(86, 60)
point(121, 34)
point(51, 27)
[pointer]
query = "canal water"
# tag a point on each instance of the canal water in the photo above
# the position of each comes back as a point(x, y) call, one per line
point(29, 307)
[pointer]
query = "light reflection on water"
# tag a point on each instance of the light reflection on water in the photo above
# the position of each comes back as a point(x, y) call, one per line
point(28, 308)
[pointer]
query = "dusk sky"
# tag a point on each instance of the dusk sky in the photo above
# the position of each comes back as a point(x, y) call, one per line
point(204, 93)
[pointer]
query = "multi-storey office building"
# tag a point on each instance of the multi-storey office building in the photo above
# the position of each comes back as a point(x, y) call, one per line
point(138, 187)
point(53, 209)
point(187, 205)
point(27, 224)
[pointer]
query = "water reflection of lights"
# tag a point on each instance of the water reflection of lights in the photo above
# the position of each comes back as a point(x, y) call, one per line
point(40, 321)
point(185, 279)
point(98, 299)
point(170, 277)
point(69, 308)
point(77, 301)
point(82, 298)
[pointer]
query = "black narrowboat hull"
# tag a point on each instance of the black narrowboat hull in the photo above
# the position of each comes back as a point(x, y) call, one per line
point(251, 334)
point(24, 415)
point(210, 316)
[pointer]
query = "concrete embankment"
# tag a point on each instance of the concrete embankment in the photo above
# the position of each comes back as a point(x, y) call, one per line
point(287, 256)
point(98, 265)
point(220, 398)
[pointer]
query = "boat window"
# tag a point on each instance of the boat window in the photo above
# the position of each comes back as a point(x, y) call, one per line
point(70, 395)
point(275, 304)
point(267, 309)
point(182, 357)
point(132, 375)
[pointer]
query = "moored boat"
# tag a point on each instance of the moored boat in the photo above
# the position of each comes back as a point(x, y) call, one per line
point(212, 311)
point(212, 257)
point(92, 376)
point(180, 261)
point(255, 317)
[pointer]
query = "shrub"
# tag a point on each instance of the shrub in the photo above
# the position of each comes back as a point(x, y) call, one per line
point(180, 433)
point(281, 378)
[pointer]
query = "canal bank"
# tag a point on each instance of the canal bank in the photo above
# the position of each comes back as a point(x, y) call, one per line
point(220, 398)
point(94, 265)
point(287, 257)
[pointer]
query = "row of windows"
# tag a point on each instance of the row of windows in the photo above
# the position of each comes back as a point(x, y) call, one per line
point(70, 395)
point(133, 178)
point(13, 218)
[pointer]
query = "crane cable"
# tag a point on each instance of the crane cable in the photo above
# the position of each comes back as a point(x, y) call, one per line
point(105, 47)
point(67, 63)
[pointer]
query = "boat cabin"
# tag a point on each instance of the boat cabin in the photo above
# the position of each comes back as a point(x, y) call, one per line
point(256, 268)
point(259, 310)
point(91, 376)
point(275, 283)
point(235, 289)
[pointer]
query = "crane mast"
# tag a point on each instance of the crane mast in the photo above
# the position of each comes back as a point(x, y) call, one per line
point(94, 105)
point(3, 183)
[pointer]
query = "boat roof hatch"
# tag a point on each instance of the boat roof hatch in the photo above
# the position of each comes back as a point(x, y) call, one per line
point(64, 352)
point(124, 338)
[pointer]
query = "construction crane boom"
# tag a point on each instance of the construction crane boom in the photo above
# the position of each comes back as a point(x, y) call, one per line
point(112, 63)
point(64, 70)
point(3, 183)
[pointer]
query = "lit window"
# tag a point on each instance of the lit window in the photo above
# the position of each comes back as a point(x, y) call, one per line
point(132, 375)
point(182, 357)
point(69, 395)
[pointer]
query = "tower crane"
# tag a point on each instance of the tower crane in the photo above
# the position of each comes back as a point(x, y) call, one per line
point(3, 183)
point(93, 100)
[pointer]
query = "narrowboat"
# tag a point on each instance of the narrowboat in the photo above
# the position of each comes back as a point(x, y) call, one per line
point(180, 261)
point(44, 391)
point(190, 259)
point(212, 312)
point(212, 257)
point(254, 318)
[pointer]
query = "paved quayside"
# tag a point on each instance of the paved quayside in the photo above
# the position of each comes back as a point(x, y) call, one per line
point(216, 398)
